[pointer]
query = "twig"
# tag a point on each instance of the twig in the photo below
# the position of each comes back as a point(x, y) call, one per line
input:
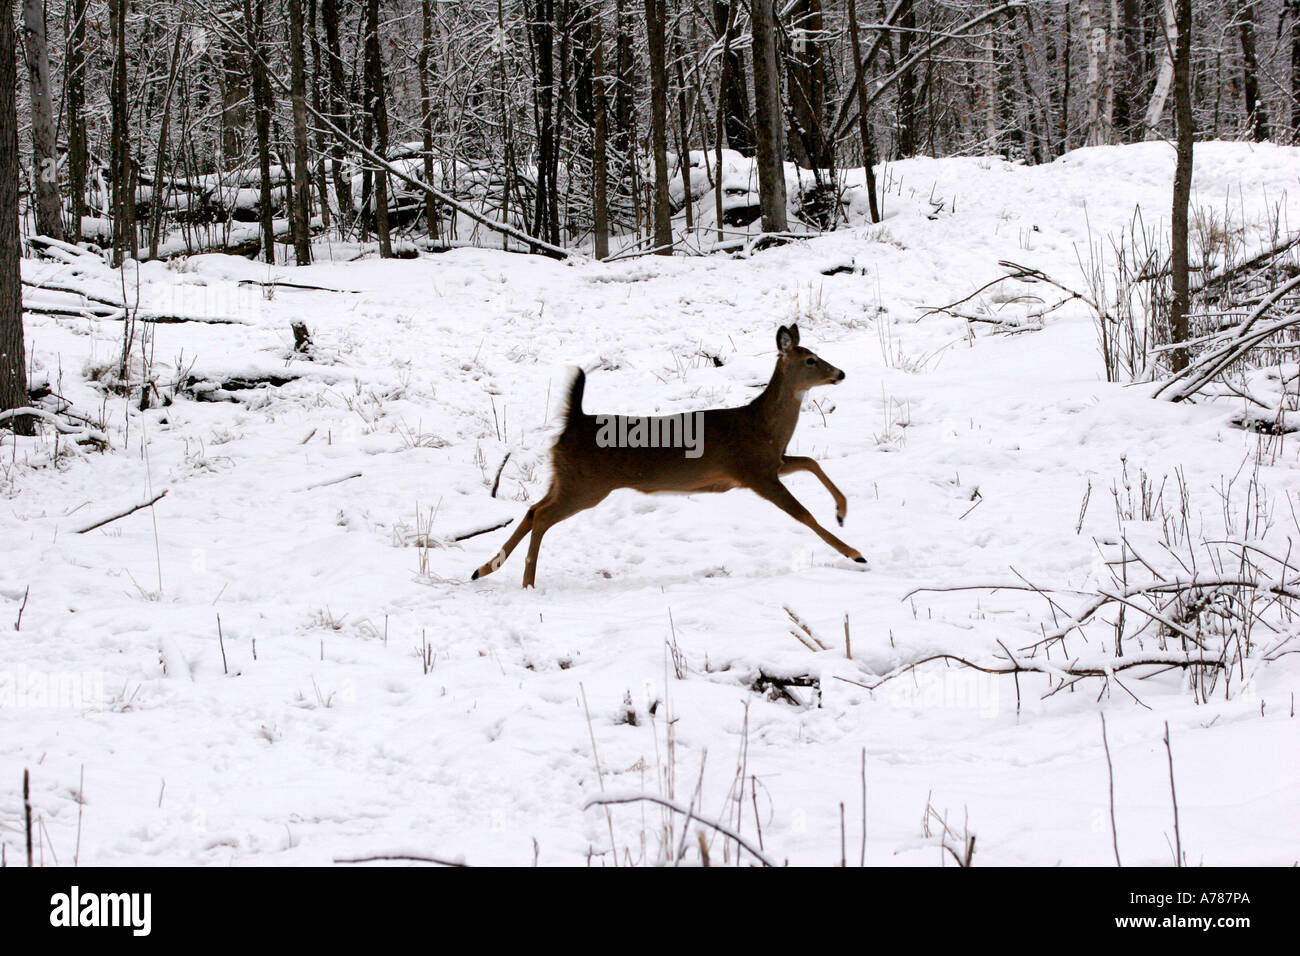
point(122, 514)
point(497, 482)
point(1178, 837)
point(1110, 773)
point(465, 535)
point(81, 805)
point(806, 629)
point(331, 481)
point(600, 774)
point(27, 814)
point(18, 624)
point(611, 799)
point(221, 640)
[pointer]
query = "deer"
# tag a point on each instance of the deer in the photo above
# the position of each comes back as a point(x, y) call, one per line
point(741, 447)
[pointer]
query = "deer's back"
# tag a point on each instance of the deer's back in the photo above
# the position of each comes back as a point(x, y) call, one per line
point(709, 451)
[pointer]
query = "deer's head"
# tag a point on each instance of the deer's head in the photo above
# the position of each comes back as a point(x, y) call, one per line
point(803, 368)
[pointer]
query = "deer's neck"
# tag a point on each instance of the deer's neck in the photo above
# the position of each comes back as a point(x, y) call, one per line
point(777, 409)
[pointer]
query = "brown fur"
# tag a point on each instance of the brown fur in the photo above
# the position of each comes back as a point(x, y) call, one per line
point(742, 448)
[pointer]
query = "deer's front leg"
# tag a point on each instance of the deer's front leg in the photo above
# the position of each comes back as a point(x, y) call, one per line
point(780, 496)
point(792, 463)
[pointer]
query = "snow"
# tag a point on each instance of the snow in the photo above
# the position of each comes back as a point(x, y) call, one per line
point(360, 695)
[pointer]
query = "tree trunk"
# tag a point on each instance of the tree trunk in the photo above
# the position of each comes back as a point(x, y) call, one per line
point(600, 134)
point(426, 110)
point(322, 144)
point(733, 96)
point(235, 75)
point(624, 69)
point(1256, 113)
point(329, 12)
point(120, 167)
point(809, 144)
point(1293, 12)
point(377, 108)
point(255, 17)
point(301, 175)
point(992, 99)
point(1167, 43)
point(719, 184)
point(906, 85)
point(13, 362)
point(663, 225)
point(156, 202)
point(75, 96)
point(45, 159)
point(1178, 309)
point(767, 117)
point(864, 125)
point(546, 202)
point(1099, 114)
point(1127, 77)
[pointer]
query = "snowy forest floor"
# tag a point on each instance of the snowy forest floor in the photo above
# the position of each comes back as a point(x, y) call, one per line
point(359, 695)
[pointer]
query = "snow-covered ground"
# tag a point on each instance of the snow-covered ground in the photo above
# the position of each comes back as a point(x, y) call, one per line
point(268, 668)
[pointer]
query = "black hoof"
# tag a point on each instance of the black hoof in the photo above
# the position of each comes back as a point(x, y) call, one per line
point(840, 519)
point(474, 576)
point(860, 560)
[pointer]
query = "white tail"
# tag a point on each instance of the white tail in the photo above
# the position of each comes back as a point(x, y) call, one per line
point(710, 451)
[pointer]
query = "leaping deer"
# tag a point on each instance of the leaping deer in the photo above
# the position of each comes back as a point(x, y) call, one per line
point(743, 448)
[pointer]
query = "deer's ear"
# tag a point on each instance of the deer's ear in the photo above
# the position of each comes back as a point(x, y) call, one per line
point(794, 332)
point(786, 339)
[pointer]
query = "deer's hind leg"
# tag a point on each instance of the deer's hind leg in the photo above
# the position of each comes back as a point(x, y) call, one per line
point(559, 503)
point(512, 542)
point(792, 463)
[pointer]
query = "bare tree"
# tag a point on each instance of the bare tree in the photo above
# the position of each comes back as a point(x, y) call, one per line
point(663, 226)
point(255, 23)
point(337, 98)
point(1293, 15)
point(377, 109)
point(301, 176)
point(767, 116)
point(45, 160)
point(124, 239)
point(864, 125)
point(810, 146)
point(426, 113)
point(13, 363)
point(600, 139)
point(74, 94)
point(1165, 79)
point(1182, 181)
point(1256, 112)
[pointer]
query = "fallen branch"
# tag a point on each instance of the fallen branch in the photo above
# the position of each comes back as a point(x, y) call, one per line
point(331, 481)
point(1240, 340)
point(1106, 667)
point(400, 856)
point(466, 535)
point(85, 433)
point(122, 514)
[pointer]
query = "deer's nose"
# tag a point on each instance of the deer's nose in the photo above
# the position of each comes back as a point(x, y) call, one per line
point(840, 377)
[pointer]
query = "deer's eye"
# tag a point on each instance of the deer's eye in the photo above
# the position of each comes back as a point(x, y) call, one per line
point(810, 361)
